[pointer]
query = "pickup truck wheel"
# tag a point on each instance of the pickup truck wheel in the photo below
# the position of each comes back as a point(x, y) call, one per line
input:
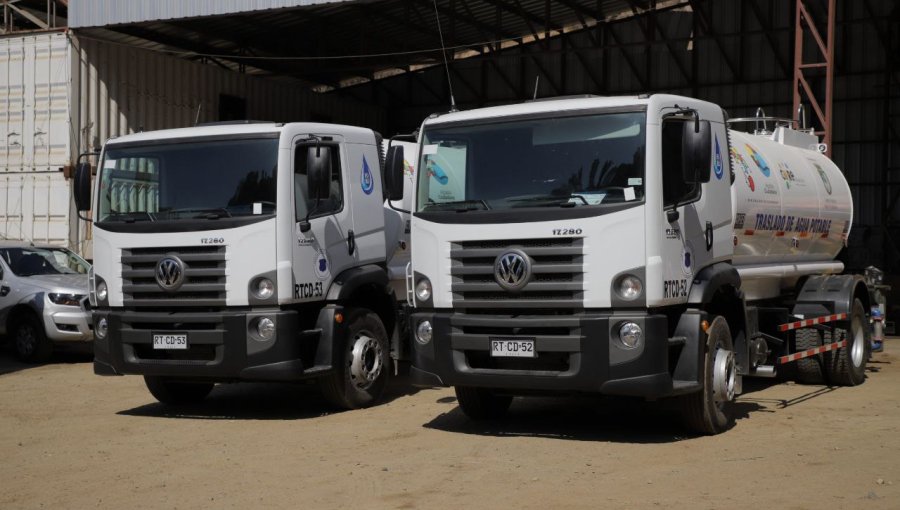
point(709, 411)
point(32, 344)
point(847, 366)
point(482, 403)
point(169, 391)
point(809, 370)
point(360, 379)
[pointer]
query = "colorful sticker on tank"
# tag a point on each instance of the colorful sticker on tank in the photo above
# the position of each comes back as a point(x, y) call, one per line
point(824, 177)
point(787, 175)
point(759, 160)
point(738, 160)
point(718, 167)
point(367, 182)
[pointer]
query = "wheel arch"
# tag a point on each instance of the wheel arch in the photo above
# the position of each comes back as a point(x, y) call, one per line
point(367, 286)
point(717, 290)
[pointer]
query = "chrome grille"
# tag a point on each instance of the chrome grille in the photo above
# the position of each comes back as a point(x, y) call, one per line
point(557, 274)
point(204, 271)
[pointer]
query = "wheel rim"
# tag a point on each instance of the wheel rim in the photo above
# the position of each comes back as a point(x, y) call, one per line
point(723, 377)
point(366, 361)
point(25, 340)
point(858, 349)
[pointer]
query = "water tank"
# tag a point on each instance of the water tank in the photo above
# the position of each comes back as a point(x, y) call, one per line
point(791, 203)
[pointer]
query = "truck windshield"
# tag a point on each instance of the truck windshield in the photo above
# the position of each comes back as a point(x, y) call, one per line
point(209, 179)
point(580, 161)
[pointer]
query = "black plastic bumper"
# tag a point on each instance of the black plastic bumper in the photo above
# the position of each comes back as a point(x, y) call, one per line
point(575, 353)
point(221, 345)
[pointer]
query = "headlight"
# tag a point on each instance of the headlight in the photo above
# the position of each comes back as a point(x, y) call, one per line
point(101, 329)
point(423, 289)
point(101, 291)
point(424, 332)
point(629, 287)
point(630, 335)
point(66, 299)
point(263, 288)
point(265, 328)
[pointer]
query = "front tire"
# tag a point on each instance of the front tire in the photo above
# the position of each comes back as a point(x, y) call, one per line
point(32, 344)
point(709, 411)
point(482, 403)
point(360, 379)
point(847, 366)
point(173, 392)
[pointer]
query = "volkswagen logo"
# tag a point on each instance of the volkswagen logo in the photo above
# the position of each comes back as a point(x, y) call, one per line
point(170, 273)
point(512, 270)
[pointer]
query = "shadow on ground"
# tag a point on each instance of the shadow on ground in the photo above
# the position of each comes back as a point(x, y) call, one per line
point(62, 354)
point(260, 401)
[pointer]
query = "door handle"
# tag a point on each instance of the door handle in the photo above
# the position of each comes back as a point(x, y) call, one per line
point(4, 290)
point(351, 242)
point(709, 235)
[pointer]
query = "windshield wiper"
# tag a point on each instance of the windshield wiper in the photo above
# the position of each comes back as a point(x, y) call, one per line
point(460, 206)
point(548, 200)
point(212, 213)
point(131, 217)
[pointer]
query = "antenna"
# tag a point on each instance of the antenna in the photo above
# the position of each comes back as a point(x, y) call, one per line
point(199, 107)
point(444, 53)
point(537, 80)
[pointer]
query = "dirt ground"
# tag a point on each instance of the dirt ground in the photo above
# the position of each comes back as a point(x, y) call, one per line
point(69, 439)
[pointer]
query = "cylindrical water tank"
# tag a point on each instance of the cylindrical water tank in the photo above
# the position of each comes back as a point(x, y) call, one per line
point(791, 205)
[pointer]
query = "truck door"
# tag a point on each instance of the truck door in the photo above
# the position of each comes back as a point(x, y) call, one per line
point(320, 253)
point(701, 234)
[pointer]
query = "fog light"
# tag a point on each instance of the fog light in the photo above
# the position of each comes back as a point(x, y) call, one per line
point(424, 332)
point(265, 328)
point(102, 291)
point(423, 289)
point(101, 329)
point(263, 288)
point(630, 335)
point(629, 287)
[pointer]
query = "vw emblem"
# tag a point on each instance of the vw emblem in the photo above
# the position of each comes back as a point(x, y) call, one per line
point(512, 270)
point(170, 273)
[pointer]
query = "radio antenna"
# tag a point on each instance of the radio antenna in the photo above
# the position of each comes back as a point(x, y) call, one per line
point(444, 54)
point(537, 80)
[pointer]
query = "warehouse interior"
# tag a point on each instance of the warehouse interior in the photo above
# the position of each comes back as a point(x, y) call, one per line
point(841, 57)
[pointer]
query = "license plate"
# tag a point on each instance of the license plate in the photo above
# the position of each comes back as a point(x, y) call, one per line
point(513, 348)
point(170, 341)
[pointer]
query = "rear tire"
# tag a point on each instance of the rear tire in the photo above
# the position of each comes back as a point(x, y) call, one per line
point(709, 411)
point(31, 343)
point(169, 391)
point(360, 379)
point(809, 370)
point(482, 403)
point(847, 366)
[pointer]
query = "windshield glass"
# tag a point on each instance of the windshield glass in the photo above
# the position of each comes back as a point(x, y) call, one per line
point(583, 161)
point(32, 261)
point(201, 179)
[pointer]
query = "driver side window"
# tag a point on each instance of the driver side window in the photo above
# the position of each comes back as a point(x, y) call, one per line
point(675, 190)
point(303, 204)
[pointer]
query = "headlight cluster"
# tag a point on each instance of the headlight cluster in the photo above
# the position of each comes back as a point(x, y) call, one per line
point(102, 291)
point(629, 287)
point(263, 288)
point(66, 299)
point(423, 289)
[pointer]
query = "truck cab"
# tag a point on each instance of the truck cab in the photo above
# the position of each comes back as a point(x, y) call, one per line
point(243, 252)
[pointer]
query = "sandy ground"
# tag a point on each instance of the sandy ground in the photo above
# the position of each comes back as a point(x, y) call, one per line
point(69, 439)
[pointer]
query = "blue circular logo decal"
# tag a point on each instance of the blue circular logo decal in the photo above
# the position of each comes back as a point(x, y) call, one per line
point(366, 180)
point(718, 168)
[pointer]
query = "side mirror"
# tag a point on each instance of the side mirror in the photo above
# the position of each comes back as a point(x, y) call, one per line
point(393, 173)
point(82, 189)
point(318, 172)
point(696, 151)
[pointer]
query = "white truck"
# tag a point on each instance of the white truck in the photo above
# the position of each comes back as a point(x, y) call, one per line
point(631, 246)
point(245, 252)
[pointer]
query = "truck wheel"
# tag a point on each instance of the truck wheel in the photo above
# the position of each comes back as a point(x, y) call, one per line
point(481, 403)
point(709, 411)
point(32, 344)
point(809, 370)
point(360, 380)
point(847, 366)
point(173, 392)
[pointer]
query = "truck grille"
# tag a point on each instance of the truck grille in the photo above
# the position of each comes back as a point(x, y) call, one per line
point(204, 277)
point(556, 281)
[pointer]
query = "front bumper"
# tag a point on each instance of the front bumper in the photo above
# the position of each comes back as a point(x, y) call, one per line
point(575, 353)
point(221, 346)
point(67, 323)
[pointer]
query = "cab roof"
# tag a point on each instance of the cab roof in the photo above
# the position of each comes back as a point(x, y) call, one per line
point(352, 134)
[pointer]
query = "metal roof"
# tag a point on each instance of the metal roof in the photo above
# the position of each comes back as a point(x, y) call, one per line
point(98, 13)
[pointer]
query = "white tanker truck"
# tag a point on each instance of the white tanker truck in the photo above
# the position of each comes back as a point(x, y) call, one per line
point(627, 246)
